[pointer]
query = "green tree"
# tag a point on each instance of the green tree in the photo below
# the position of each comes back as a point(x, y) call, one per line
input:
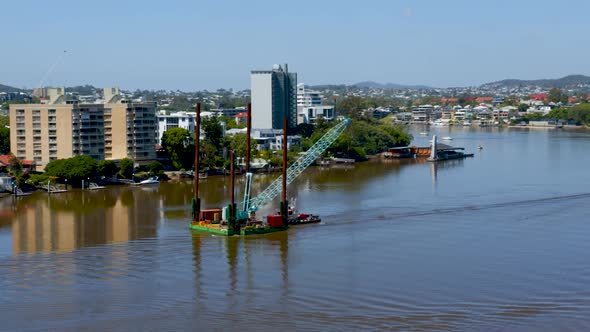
point(4, 140)
point(580, 113)
point(213, 131)
point(209, 156)
point(74, 169)
point(179, 146)
point(351, 106)
point(80, 167)
point(107, 168)
point(558, 114)
point(230, 123)
point(369, 137)
point(557, 96)
point(305, 130)
point(4, 121)
point(15, 167)
point(126, 168)
point(237, 143)
point(57, 168)
point(155, 168)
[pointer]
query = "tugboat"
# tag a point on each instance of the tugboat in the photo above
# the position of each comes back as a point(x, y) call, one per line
point(304, 218)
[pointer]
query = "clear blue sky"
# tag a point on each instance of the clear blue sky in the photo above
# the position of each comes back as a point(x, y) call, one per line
point(194, 45)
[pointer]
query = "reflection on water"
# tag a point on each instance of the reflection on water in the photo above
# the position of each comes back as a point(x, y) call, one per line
point(63, 222)
point(494, 242)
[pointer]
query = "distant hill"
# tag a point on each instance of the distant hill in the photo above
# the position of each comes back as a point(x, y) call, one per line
point(564, 82)
point(6, 88)
point(393, 86)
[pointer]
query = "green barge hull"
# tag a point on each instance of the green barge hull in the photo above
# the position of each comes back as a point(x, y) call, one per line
point(212, 230)
point(262, 230)
point(216, 230)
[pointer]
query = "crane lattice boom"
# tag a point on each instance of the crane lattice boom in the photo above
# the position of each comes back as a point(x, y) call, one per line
point(298, 166)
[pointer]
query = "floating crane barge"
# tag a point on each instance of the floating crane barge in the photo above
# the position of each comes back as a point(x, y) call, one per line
point(228, 221)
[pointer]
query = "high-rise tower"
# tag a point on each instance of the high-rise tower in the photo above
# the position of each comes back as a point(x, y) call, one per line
point(274, 96)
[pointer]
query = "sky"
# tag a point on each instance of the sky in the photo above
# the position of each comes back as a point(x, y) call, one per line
point(201, 44)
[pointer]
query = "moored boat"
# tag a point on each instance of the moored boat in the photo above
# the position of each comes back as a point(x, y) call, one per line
point(94, 186)
point(439, 152)
point(150, 181)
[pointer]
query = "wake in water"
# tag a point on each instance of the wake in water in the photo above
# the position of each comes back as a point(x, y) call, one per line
point(417, 213)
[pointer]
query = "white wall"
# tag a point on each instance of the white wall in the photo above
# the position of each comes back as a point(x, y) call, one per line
point(261, 86)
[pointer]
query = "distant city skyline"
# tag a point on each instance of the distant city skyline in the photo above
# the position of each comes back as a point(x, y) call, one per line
point(189, 46)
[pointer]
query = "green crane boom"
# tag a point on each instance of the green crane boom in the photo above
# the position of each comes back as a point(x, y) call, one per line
point(296, 168)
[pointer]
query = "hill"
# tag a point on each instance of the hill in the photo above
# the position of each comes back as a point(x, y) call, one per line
point(6, 88)
point(392, 86)
point(564, 82)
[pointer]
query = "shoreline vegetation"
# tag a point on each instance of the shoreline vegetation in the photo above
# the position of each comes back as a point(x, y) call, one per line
point(365, 137)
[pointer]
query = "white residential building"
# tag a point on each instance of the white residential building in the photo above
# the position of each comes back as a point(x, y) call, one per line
point(166, 121)
point(310, 106)
point(308, 97)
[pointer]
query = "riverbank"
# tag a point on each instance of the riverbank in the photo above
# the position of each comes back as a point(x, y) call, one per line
point(565, 127)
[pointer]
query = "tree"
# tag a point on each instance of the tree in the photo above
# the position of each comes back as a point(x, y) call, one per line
point(580, 113)
point(351, 106)
point(4, 121)
point(237, 143)
point(4, 140)
point(556, 96)
point(304, 130)
point(213, 131)
point(126, 168)
point(369, 137)
point(75, 169)
point(179, 146)
point(107, 168)
point(155, 168)
point(230, 123)
point(80, 167)
point(209, 157)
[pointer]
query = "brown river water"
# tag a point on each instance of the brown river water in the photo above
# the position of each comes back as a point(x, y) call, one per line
point(495, 242)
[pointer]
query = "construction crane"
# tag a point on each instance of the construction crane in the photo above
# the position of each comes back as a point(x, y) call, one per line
point(268, 194)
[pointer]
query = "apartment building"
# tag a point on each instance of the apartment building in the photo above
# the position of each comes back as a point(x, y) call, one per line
point(130, 130)
point(62, 128)
point(310, 106)
point(166, 122)
point(274, 97)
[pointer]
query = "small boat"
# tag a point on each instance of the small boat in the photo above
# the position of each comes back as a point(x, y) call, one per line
point(424, 133)
point(150, 181)
point(447, 138)
point(479, 147)
point(18, 192)
point(186, 175)
point(53, 189)
point(304, 218)
point(94, 186)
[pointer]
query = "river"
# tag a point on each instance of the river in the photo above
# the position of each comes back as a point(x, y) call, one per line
point(493, 242)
